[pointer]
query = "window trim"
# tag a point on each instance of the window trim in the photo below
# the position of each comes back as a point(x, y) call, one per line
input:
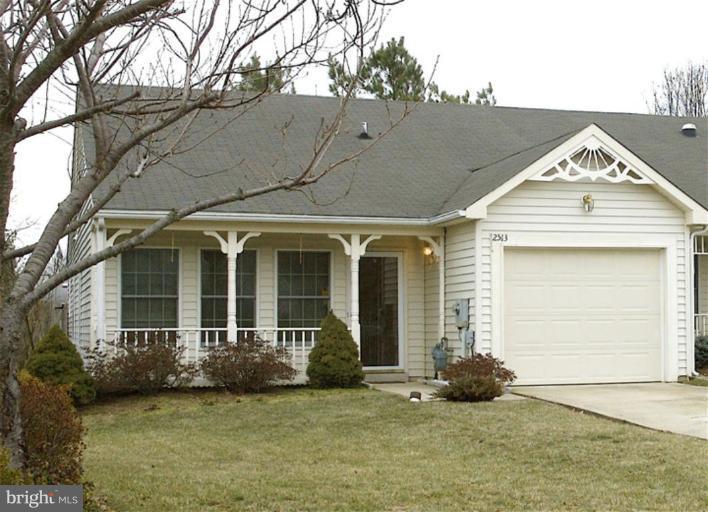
point(275, 279)
point(256, 297)
point(119, 287)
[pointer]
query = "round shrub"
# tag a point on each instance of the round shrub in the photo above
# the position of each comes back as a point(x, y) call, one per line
point(251, 365)
point(471, 389)
point(701, 353)
point(146, 368)
point(477, 378)
point(334, 361)
point(56, 361)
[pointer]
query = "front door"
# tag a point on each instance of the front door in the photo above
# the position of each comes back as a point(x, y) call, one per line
point(379, 310)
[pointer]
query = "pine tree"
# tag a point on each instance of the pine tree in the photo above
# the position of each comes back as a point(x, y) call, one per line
point(56, 361)
point(391, 72)
point(334, 361)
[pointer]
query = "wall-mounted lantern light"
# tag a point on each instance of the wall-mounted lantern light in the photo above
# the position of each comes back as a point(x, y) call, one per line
point(588, 203)
point(427, 250)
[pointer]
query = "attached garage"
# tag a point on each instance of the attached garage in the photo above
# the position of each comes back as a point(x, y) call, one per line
point(581, 315)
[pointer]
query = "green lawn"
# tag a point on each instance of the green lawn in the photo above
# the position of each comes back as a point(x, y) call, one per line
point(300, 449)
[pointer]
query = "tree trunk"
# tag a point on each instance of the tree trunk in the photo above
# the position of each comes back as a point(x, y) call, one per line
point(7, 169)
point(10, 345)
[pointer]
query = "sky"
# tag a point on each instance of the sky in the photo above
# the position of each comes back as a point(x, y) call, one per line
point(595, 55)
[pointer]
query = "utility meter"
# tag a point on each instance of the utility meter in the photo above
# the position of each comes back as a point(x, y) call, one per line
point(462, 313)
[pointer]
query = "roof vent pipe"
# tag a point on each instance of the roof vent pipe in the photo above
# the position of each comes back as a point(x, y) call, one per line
point(689, 130)
point(364, 131)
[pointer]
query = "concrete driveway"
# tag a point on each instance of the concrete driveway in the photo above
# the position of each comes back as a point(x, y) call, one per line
point(677, 408)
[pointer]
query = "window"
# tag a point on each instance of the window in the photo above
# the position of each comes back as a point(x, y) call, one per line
point(303, 288)
point(214, 281)
point(149, 289)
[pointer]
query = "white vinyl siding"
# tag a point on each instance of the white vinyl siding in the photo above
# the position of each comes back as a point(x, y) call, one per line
point(553, 209)
point(460, 266)
point(432, 283)
point(80, 303)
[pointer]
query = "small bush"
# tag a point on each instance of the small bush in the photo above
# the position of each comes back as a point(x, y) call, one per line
point(479, 365)
point(701, 353)
point(334, 361)
point(145, 368)
point(251, 365)
point(105, 373)
point(477, 378)
point(52, 432)
point(471, 389)
point(8, 475)
point(56, 361)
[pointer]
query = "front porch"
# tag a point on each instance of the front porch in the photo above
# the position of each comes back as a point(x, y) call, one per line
point(199, 288)
point(700, 286)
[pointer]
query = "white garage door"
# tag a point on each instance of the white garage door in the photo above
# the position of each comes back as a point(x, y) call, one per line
point(582, 315)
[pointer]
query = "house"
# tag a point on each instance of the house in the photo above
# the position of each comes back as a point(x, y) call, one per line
point(569, 243)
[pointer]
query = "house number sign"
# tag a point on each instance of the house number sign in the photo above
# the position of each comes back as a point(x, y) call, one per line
point(500, 237)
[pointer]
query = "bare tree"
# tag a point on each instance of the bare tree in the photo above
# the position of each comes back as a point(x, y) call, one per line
point(682, 92)
point(95, 53)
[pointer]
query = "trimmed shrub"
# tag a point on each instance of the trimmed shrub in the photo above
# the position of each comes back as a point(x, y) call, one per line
point(479, 377)
point(146, 368)
point(56, 361)
point(106, 375)
point(701, 353)
point(251, 365)
point(334, 361)
point(52, 432)
point(471, 389)
point(479, 365)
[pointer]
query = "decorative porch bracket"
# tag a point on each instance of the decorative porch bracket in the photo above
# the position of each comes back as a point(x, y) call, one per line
point(355, 249)
point(232, 247)
point(100, 275)
point(439, 252)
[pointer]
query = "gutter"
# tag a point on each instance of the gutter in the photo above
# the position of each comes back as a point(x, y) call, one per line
point(276, 217)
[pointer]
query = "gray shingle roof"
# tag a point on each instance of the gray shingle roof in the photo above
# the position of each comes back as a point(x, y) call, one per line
point(442, 157)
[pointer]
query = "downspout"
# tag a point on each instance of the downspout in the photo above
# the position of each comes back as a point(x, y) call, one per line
point(441, 288)
point(99, 336)
point(691, 348)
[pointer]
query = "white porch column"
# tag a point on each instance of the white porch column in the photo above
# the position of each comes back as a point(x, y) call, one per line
point(102, 243)
point(355, 249)
point(231, 255)
point(232, 247)
point(439, 252)
point(354, 277)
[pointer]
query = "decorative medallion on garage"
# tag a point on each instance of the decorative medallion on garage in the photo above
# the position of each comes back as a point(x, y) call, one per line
point(592, 161)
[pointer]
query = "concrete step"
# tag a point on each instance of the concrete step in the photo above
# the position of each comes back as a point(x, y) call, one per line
point(381, 376)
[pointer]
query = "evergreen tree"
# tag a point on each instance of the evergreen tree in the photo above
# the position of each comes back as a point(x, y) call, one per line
point(257, 77)
point(392, 73)
point(56, 361)
point(334, 361)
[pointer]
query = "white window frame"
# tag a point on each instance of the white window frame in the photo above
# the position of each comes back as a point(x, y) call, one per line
point(119, 287)
point(275, 280)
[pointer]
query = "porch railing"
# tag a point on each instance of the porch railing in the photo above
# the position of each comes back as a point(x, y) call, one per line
point(196, 343)
point(700, 324)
